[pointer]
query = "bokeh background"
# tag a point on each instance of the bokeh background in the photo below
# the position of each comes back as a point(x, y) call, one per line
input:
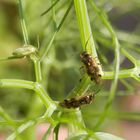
point(61, 67)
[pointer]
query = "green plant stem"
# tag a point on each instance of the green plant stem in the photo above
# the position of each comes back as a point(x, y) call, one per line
point(125, 115)
point(47, 48)
point(53, 4)
point(24, 124)
point(48, 102)
point(56, 132)
point(20, 129)
point(54, 15)
point(77, 124)
point(126, 73)
point(122, 74)
point(135, 116)
point(4, 115)
point(85, 30)
point(86, 34)
point(81, 87)
point(127, 37)
point(104, 19)
point(127, 50)
point(35, 104)
point(84, 26)
point(47, 133)
point(37, 68)
point(129, 56)
point(22, 21)
point(11, 123)
point(120, 93)
point(13, 83)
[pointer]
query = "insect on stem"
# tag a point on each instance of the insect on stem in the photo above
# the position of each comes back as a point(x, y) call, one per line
point(77, 101)
point(91, 65)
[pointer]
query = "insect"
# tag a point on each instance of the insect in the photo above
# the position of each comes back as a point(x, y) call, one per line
point(77, 101)
point(92, 67)
point(24, 51)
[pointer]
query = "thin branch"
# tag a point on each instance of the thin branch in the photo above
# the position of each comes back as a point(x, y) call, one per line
point(22, 21)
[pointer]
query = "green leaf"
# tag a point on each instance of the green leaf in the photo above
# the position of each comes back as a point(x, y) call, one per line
point(96, 136)
point(107, 136)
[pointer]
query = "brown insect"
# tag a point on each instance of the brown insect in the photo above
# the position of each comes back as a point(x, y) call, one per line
point(77, 102)
point(92, 67)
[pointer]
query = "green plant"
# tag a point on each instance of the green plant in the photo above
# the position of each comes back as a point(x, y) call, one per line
point(54, 113)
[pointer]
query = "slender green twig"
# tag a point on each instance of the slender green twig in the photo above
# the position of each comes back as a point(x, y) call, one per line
point(103, 18)
point(6, 117)
point(20, 129)
point(54, 17)
point(86, 35)
point(135, 116)
point(122, 74)
point(56, 131)
point(85, 32)
point(53, 4)
point(37, 68)
point(84, 26)
point(48, 102)
point(127, 37)
point(73, 119)
point(55, 33)
point(77, 124)
point(47, 133)
point(129, 56)
point(14, 83)
point(22, 21)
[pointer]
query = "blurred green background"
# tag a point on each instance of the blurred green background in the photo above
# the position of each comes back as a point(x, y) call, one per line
point(61, 67)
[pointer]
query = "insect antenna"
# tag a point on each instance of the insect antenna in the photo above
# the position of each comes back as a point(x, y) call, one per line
point(87, 41)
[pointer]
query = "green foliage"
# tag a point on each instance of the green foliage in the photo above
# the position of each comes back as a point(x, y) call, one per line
point(40, 66)
point(96, 136)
